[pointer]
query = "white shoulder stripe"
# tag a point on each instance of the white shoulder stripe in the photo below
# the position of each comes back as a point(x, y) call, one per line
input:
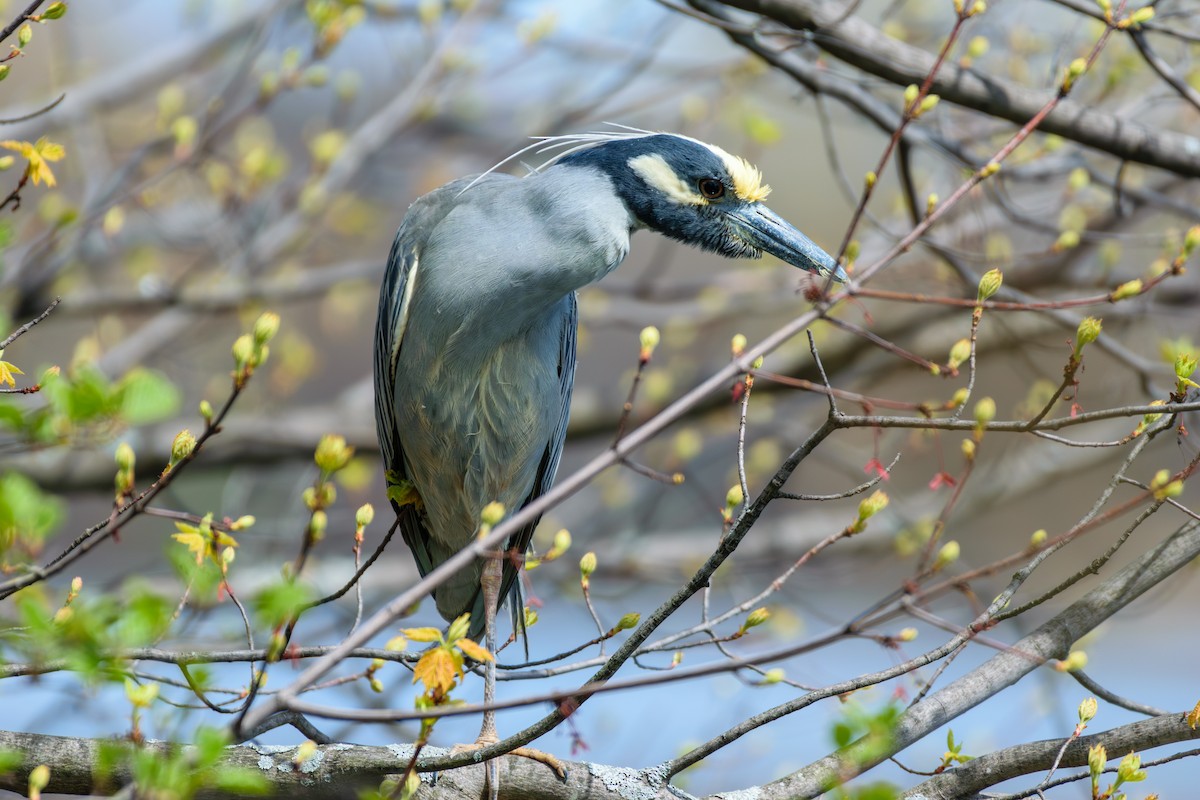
point(405, 305)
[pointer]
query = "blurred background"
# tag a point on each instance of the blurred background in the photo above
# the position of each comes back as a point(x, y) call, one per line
point(223, 158)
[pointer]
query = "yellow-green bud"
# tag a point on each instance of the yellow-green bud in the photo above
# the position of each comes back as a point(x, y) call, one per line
point(587, 564)
point(977, 47)
point(1185, 364)
point(985, 411)
point(306, 750)
point(1075, 660)
point(960, 352)
point(1097, 759)
point(25, 35)
point(978, 8)
point(141, 696)
point(243, 522)
point(332, 453)
point(492, 513)
point(757, 363)
point(649, 339)
point(910, 94)
point(39, 778)
point(57, 10)
point(734, 497)
point(206, 410)
point(968, 449)
point(755, 618)
point(1038, 538)
point(989, 284)
point(76, 585)
point(1087, 710)
point(365, 515)
point(317, 524)
point(228, 554)
point(931, 203)
point(459, 627)
point(4, 69)
point(738, 345)
point(989, 169)
point(872, 505)
point(375, 684)
point(852, 251)
point(773, 676)
point(948, 554)
point(1191, 240)
point(928, 103)
point(125, 457)
point(265, 327)
point(907, 634)
point(1126, 290)
point(183, 446)
point(1076, 68)
point(397, 644)
point(628, 621)
point(531, 617)
point(1130, 769)
point(1067, 240)
point(243, 350)
point(1142, 15)
point(870, 179)
point(959, 397)
point(562, 543)
point(1087, 332)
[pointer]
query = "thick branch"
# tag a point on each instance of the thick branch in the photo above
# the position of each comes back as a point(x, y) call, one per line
point(867, 48)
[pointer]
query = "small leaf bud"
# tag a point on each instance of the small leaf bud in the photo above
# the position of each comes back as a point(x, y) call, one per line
point(243, 522)
point(985, 411)
point(364, 515)
point(968, 449)
point(397, 644)
point(872, 505)
point(1075, 660)
point(907, 635)
point(243, 350)
point(947, 555)
point(491, 514)
point(649, 339)
point(931, 203)
point(989, 284)
point(870, 179)
point(959, 397)
point(1130, 769)
point(1126, 290)
point(910, 94)
point(458, 628)
point(206, 411)
point(587, 564)
point(265, 327)
point(928, 103)
point(1087, 332)
point(734, 497)
point(755, 618)
point(1087, 710)
point(57, 10)
point(1038, 538)
point(317, 524)
point(1097, 759)
point(773, 676)
point(960, 352)
point(182, 446)
point(738, 345)
point(628, 621)
point(1141, 15)
point(332, 453)
point(39, 778)
point(125, 457)
point(24, 35)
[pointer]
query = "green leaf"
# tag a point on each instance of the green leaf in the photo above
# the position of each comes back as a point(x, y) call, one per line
point(281, 602)
point(210, 745)
point(146, 396)
point(27, 514)
point(10, 760)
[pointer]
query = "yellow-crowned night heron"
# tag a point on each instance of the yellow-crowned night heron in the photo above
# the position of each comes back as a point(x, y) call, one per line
point(475, 341)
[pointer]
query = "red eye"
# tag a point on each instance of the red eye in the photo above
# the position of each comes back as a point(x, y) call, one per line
point(711, 188)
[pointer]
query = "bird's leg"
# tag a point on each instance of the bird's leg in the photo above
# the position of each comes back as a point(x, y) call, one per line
point(493, 572)
point(492, 575)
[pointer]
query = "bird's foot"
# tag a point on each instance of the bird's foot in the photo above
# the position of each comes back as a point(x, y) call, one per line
point(524, 752)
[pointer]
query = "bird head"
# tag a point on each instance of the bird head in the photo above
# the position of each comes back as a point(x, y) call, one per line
point(702, 195)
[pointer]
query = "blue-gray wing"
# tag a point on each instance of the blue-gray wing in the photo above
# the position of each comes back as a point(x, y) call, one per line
point(510, 586)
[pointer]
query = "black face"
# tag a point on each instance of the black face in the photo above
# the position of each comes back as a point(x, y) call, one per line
point(701, 196)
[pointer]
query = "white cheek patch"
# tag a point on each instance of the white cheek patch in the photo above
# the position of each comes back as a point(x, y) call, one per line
point(656, 172)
